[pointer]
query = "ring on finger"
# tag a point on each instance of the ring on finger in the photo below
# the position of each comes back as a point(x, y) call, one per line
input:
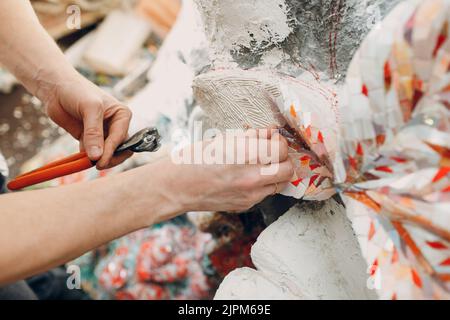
point(276, 189)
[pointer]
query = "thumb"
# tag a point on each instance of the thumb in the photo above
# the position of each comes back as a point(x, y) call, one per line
point(93, 139)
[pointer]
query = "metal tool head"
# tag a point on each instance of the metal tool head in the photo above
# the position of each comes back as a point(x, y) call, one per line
point(145, 140)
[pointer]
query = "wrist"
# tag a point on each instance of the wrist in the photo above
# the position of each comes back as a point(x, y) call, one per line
point(47, 81)
point(178, 186)
point(171, 188)
point(156, 193)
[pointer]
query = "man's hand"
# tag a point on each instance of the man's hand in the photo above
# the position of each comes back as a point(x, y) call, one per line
point(74, 103)
point(229, 187)
point(92, 116)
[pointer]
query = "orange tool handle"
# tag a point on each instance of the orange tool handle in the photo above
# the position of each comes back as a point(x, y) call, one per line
point(75, 163)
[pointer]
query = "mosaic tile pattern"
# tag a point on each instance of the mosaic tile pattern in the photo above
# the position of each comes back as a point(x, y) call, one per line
point(392, 163)
point(395, 151)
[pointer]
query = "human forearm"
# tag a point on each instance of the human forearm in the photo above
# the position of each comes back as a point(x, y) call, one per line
point(28, 51)
point(45, 228)
point(88, 113)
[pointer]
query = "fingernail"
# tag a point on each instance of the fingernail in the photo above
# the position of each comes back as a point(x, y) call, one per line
point(95, 152)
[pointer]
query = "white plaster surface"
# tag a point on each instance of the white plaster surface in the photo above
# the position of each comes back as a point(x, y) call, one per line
point(232, 25)
point(308, 253)
point(250, 284)
point(291, 35)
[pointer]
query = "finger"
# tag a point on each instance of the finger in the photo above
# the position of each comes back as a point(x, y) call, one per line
point(276, 172)
point(117, 133)
point(277, 187)
point(250, 177)
point(279, 149)
point(93, 140)
point(116, 160)
point(269, 190)
point(267, 133)
point(251, 133)
point(262, 133)
point(264, 151)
